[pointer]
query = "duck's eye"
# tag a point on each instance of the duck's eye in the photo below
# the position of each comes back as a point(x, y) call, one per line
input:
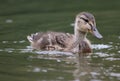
point(86, 20)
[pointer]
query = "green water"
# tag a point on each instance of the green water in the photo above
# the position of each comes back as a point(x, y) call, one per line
point(19, 18)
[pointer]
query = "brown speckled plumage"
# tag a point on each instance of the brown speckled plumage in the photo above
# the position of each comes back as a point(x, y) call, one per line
point(76, 43)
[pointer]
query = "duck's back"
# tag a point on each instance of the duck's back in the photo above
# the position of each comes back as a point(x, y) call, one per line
point(50, 40)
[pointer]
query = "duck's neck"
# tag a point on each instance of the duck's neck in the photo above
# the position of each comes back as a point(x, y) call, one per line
point(79, 35)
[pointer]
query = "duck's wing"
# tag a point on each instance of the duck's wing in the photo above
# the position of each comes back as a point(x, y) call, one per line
point(64, 39)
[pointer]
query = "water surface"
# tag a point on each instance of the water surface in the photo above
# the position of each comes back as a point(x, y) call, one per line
point(18, 62)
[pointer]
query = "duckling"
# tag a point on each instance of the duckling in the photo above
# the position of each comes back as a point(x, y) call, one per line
point(76, 43)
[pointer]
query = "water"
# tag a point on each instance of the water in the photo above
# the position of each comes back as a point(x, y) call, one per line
point(27, 64)
point(18, 62)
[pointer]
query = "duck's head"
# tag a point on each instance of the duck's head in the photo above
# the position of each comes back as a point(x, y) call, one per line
point(85, 22)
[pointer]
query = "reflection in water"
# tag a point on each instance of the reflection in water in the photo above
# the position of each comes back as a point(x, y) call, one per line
point(96, 71)
point(84, 71)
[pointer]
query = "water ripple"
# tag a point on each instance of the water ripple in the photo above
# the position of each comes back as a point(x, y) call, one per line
point(100, 46)
point(29, 49)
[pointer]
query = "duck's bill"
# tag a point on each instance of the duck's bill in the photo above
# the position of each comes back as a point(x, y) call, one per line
point(96, 33)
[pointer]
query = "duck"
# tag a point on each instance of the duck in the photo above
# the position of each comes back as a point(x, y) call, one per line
point(76, 43)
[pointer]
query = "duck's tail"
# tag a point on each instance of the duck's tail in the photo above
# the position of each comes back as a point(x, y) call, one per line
point(34, 37)
point(30, 38)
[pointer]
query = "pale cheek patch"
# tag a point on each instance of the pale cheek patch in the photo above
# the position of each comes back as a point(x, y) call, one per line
point(83, 28)
point(88, 26)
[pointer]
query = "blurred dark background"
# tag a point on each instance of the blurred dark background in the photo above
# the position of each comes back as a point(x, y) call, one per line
point(19, 18)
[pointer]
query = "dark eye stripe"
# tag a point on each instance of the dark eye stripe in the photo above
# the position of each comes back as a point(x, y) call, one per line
point(84, 19)
point(87, 22)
